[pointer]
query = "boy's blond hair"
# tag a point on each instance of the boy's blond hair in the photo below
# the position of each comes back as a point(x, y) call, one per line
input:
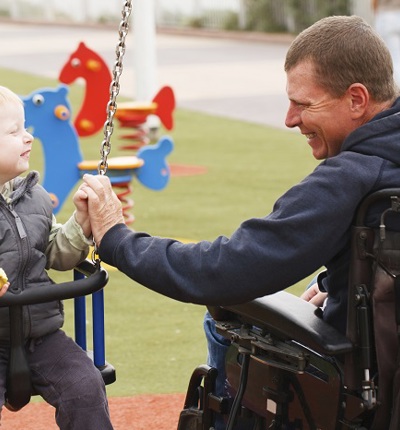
point(7, 96)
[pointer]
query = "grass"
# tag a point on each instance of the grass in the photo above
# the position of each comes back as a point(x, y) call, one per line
point(155, 342)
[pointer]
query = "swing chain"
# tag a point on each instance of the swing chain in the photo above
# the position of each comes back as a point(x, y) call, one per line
point(112, 104)
point(114, 87)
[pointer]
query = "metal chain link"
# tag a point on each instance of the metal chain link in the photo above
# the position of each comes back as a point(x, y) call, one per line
point(108, 128)
point(114, 88)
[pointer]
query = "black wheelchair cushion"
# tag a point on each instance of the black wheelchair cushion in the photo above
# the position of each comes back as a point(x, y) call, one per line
point(289, 317)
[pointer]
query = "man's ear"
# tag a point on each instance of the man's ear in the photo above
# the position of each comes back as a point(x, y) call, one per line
point(359, 99)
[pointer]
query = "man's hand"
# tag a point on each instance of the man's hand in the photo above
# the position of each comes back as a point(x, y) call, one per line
point(104, 207)
point(314, 295)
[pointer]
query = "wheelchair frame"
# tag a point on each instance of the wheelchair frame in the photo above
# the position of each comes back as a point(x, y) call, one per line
point(288, 369)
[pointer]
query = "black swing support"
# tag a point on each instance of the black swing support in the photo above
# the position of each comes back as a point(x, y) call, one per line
point(19, 387)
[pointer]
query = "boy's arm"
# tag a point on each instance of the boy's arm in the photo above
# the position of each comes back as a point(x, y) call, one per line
point(67, 246)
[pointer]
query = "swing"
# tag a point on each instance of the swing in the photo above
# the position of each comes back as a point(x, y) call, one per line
point(89, 278)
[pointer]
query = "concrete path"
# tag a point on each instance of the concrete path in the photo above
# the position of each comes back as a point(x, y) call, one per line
point(231, 77)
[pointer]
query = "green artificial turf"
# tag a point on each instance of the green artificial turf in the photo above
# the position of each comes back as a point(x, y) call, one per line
point(155, 342)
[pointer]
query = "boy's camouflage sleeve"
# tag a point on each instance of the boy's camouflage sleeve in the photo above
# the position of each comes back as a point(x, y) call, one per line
point(67, 246)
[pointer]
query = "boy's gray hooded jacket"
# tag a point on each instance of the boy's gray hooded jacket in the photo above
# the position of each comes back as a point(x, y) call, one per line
point(26, 222)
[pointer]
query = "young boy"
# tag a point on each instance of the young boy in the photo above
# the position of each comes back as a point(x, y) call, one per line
point(30, 242)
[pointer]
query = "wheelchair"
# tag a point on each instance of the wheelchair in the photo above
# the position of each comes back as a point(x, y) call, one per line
point(288, 369)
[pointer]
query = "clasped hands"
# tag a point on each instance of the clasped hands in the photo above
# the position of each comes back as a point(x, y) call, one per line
point(103, 207)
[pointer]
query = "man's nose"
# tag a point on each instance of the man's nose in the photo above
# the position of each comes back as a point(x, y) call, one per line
point(293, 117)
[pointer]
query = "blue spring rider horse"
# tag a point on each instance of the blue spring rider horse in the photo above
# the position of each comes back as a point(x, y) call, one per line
point(48, 117)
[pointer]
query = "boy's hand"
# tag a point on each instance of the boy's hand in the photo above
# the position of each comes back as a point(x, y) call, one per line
point(4, 289)
point(80, 200)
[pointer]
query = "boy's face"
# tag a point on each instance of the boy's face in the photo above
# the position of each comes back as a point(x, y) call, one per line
point(15, 142)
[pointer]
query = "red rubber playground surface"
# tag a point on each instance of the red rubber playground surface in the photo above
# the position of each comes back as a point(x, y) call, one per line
point(142, 412)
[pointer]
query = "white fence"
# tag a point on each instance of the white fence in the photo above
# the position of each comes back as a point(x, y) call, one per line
point(106, 10)
point(62, 10)
point(168, 12)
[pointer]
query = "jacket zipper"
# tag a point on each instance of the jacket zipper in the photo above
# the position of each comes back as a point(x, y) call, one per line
point(18, 222)
point(25, 257)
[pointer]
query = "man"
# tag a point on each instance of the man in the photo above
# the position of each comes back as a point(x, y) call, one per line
point(343, 99)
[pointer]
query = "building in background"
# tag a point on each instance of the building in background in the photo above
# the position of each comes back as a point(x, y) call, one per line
point(252, 15)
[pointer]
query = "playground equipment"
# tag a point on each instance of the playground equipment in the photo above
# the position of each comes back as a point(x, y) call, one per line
point(288, 369)
point(89, 278)
point(19, 387)
point(149, 166)
point(144, 117)
point(48, 115)
point(87, 64)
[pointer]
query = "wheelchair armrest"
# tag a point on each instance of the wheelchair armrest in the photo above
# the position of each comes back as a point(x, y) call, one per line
point(291, 318)
point(96, 279)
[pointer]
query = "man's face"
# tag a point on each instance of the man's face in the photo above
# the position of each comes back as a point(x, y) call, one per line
point(15, 142)
point(322, 118)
